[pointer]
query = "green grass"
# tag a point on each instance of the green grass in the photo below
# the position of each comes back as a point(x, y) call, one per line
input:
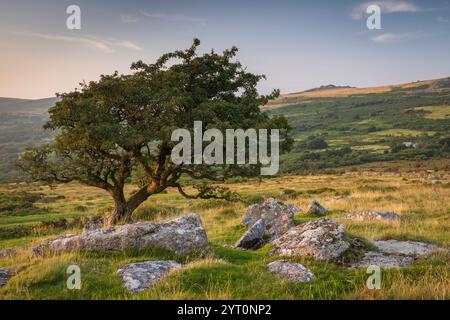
point(226, 273)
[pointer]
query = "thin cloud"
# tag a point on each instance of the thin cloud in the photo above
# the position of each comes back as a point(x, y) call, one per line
point(128, 19)
point(107, 46)
point(175, 17)
point(393, 37)
point(387, 6)
point(442, 19)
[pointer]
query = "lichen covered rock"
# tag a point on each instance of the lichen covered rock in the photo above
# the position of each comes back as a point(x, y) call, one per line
point(5, 275)
point(322, 239)
point(140, 276)
point(253, 238)
point(291, 271)
point(385, 216)
point(383, 261)
point(182, 236)
point(277, 216)
point(316, 208)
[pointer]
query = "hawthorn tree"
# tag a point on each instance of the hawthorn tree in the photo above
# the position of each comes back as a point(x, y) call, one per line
point(122, 124)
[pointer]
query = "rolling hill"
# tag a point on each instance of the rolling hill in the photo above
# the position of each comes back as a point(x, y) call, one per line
point(341, 126)
point(26, 106)
point(332, 125)
point(21, 122)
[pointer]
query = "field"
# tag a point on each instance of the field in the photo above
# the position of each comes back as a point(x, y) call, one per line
point(227, 273)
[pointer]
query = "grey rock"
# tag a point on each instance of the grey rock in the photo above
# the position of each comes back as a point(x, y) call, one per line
point(410, 248)
point(291, 271)
point(5, 275)
point(386, 216)
point(182, 236)
point(316, 208)
point(140, 276)
point(322, 239)
point(383, 261)
point(278, 217)
point(253, 238)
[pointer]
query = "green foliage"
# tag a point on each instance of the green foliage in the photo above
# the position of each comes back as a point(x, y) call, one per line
point(317, 144)
point(119, 128)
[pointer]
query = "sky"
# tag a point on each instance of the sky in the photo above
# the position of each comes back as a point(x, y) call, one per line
point(297, 44)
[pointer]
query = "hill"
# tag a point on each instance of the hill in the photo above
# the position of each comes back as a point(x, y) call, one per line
point(341, 126)
point(26, 106)
point(333, 126)
point(21, 122)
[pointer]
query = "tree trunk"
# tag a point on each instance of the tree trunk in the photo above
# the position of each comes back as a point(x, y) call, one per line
point(123, 209)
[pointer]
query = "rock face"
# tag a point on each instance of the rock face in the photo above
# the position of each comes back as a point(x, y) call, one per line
point(291, 271)
point(316, 208)
point(322, 239)
point(383, 261)
point(5, 275)
point(277, 216)
point(386, 216)
point(181, 236)
point(253, 238)
point(140, 276)
point(411, 248)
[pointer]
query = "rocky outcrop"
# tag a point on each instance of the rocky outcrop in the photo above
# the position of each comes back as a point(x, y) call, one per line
point(277, 216)
point(322, 239)
point(140, 276)
point(253, 238)
point(182, 236)
point(385, 216)
point(291, 271)
point(5, 275)
point(316, 208)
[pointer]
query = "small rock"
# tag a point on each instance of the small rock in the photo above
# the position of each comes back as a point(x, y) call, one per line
point(322, 239)
point(383, 261)
point(140, 276)
point(316, 208)
point(291, 271)
point(5, 275)
point(410, 248)
point(278, 217)
point(386, 216)
point(253, 238)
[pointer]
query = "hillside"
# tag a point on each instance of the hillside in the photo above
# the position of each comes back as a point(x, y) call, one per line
point(26, 106)
point(349, 126)
point(358, 125)
point(21, 122)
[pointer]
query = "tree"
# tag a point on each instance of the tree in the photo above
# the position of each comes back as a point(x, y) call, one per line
point(122, 124)
point(317, 143)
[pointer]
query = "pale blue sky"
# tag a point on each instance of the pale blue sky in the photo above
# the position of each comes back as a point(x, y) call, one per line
point(297, 44)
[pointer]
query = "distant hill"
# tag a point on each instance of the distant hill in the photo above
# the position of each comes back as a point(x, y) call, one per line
point(332, 91)
point(26, 106)
point(362, 125)
point(328, 87)
point(356, 125)
point(21, 122)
